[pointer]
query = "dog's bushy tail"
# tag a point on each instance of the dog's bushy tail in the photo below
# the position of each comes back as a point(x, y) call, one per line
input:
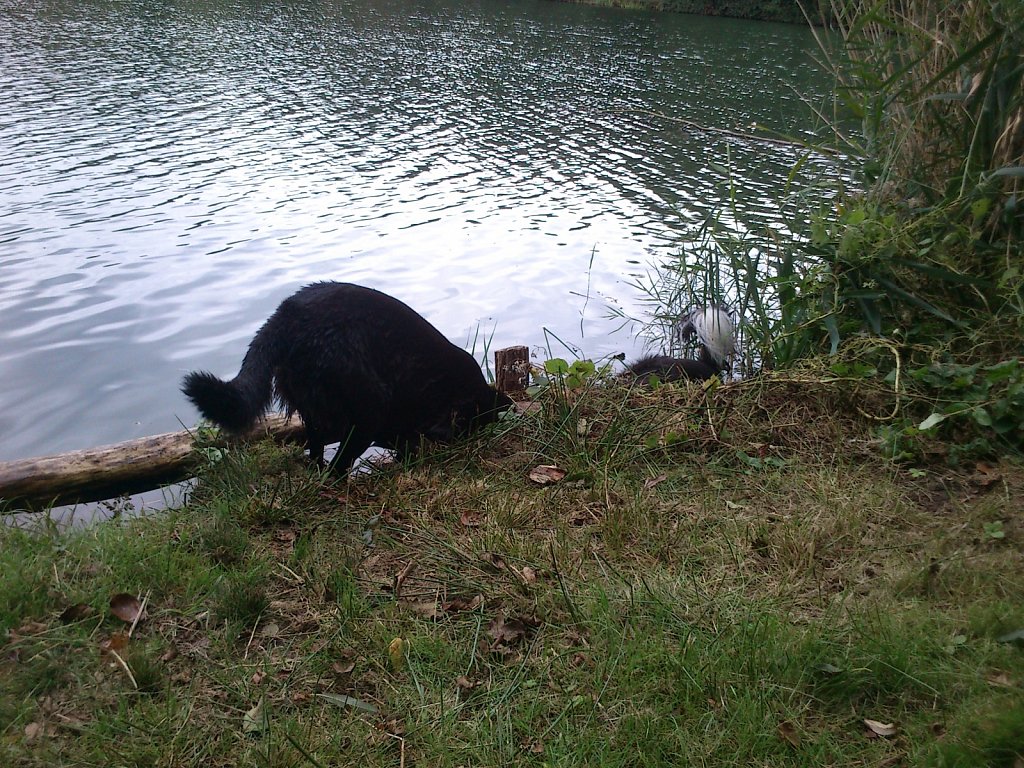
point(238, 404)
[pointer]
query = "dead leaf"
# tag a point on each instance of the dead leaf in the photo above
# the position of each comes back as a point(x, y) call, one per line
point(650, 482)
point(580, 516)
point(270, 629)
point(31, 628)
point(257, 678)
point(255, 720)
point(343, 669)
point(494, 560)
point(575, 637)
point(128, 608)
point(460, 604)
point(428, 609)
point(285, 536)
point(116, 642)
point(789, 733)
point(75, 612)
point(1000, 680)
point(536, 746)
point(985, 474)
point(404, 574)
point(33, 731)
point(396, 652)
point(528, 575)
point(875, 728)
point(170, 654)
point(466, 686)
point(510, 631)
point(470, 519)
point(545, 474)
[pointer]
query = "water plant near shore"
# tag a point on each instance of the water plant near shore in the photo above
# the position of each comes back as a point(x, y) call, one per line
point(915, 266)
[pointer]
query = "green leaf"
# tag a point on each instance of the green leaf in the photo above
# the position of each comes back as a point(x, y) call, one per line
point(932, 421)
point(1001, 371)
point(582, 368)
point(980, 208)
point(1017, 636)
point(749, 460)
point(556, 366)
point(939, 273)
point(833, 333)
point(348, 701)
point(1009, 170)
point(994, 530)
point(982, 416)
point(855, 217)
point(917, 301)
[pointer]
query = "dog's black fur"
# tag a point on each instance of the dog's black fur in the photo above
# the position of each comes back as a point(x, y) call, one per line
point(359, 367)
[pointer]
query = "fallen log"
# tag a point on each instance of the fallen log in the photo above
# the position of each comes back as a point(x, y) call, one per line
point(101, 473)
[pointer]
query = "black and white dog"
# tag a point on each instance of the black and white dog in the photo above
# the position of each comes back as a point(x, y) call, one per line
point(360, 367)
point(714, 331)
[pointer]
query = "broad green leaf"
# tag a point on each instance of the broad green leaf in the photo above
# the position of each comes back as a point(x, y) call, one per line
point(934, 420)
point(556, 365)
point(982, 416)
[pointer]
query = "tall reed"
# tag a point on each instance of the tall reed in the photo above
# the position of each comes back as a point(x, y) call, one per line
point(924, 249)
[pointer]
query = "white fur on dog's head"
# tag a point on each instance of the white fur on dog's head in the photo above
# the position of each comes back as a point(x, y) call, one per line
point(714, 330)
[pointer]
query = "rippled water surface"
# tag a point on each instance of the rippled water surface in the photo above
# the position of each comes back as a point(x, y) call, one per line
point(169, 171)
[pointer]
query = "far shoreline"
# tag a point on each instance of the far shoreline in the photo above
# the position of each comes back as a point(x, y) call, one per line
point(784, 11)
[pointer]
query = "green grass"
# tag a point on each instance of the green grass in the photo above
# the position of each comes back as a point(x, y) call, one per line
point(743, 591)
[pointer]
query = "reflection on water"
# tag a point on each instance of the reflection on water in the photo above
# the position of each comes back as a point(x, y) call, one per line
point(169, 171)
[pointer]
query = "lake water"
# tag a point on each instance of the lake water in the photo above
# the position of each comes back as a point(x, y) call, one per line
point(169, 171)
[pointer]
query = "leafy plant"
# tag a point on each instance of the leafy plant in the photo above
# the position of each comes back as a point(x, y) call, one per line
point(989, 398)
point(919, 259)
point(994, 530)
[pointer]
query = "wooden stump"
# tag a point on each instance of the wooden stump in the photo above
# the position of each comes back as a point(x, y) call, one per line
point(512, 369)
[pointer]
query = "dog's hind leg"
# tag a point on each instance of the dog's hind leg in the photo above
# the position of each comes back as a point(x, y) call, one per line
point(315, 443)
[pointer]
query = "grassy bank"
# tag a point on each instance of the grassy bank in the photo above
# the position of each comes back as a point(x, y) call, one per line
point(726, 578)
point(762, 10)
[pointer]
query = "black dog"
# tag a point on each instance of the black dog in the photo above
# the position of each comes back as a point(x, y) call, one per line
point(359, 367)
